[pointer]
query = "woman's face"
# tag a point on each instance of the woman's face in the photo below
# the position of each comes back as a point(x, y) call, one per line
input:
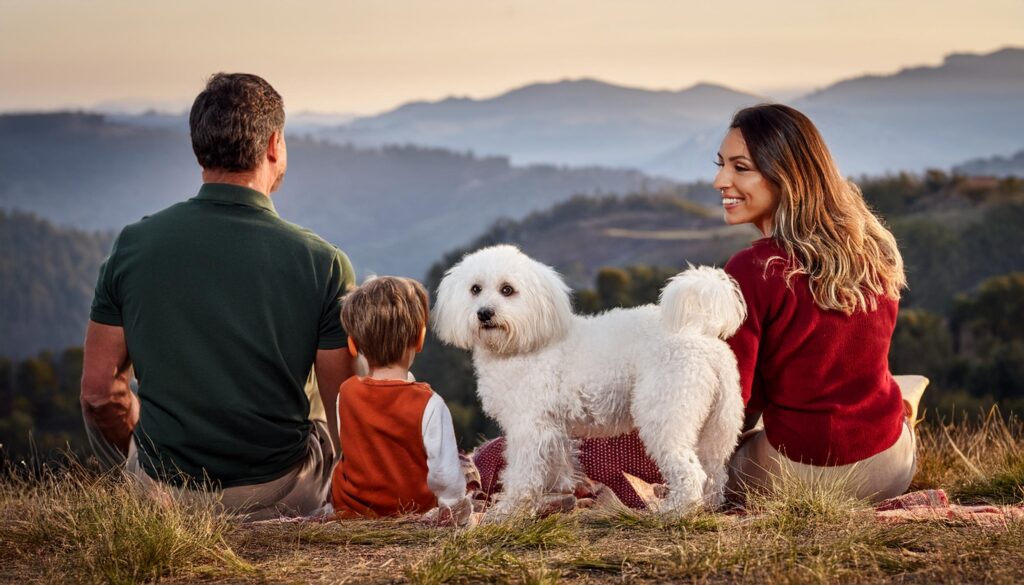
point(747, 195)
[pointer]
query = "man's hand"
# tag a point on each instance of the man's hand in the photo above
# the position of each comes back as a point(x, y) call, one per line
point(107, 398)
point(332, 367)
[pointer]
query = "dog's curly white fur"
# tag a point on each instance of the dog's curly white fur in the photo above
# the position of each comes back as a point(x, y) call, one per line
point(547, 375)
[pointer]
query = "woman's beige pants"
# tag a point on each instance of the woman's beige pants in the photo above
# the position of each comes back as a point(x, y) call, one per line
point(756, 464)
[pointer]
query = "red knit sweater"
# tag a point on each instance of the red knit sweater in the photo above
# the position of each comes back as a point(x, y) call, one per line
point(820, 378)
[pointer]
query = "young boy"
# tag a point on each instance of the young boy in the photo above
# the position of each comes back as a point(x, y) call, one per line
point(398, 446)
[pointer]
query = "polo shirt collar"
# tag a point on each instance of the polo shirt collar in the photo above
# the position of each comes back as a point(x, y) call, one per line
point(236, 194)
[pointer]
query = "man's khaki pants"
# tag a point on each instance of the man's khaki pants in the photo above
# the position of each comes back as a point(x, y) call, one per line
point(304, 490)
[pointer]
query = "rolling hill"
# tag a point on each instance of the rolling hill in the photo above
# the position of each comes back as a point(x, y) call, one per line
point(47, 277)
point(394, 209)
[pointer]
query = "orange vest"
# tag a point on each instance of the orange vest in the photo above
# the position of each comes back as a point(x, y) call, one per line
point(383, 468)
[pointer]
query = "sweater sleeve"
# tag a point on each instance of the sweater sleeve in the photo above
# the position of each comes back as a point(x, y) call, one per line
point(746, 342)
point(444, 470)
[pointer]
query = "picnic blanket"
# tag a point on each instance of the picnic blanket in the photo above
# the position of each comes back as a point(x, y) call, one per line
point(934, 504)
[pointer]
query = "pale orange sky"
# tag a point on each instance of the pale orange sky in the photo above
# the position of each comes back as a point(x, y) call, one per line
point(367, 56)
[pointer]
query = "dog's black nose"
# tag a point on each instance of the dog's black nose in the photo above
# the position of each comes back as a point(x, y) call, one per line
point(485, 314)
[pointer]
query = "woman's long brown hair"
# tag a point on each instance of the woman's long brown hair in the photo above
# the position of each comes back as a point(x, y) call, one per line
point(822, 221)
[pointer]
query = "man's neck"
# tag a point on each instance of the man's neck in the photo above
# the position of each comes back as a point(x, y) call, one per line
point(254, 180)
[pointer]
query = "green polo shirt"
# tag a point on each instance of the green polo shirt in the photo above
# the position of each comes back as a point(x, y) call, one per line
point(224, 306)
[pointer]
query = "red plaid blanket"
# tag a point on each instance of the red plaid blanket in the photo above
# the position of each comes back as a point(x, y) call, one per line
point(934, 505)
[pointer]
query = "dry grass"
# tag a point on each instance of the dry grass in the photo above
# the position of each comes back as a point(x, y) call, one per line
point(977, 460)
point(490, 552)
point(89, 528)
point(63, 527)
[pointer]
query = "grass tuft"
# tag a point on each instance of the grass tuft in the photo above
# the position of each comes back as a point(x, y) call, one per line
point(791, 505)
point(491, 552)
point(523, 533)
point(454, 563)
point(625, 518)
point(977, 461)
point(366, 532)
point(1002, 486)
point(99, 529)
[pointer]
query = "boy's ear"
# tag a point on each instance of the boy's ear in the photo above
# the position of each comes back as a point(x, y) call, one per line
point(421, 339)
point(352, 349)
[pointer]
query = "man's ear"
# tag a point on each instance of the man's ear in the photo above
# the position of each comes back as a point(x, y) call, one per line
point(352, 349)
point(421, 339)
point(274, 145)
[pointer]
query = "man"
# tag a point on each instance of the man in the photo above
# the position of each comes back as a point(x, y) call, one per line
point(221, 308)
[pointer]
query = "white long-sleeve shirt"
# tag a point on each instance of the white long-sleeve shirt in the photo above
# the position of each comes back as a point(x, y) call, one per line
point(445, 477)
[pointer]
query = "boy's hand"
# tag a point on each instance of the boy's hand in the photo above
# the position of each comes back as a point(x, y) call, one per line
point(470, 472)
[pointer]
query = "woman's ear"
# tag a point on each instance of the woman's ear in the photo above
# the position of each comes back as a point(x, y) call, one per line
point(421, 339)
point(352, 349)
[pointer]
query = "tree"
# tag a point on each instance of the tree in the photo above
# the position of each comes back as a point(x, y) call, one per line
point(614, 288)
point(993, 315)
point(921, 345)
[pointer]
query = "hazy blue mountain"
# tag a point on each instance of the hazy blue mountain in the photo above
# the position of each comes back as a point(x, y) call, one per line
point(393, 209)
point(297, 124)
point(969, 106)
point(997, 166)
point(577, 122)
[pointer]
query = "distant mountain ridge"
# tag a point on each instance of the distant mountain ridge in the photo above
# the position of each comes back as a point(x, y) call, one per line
point(935, 116)
point(960, 74)
point(575, 122)
point(998, 166)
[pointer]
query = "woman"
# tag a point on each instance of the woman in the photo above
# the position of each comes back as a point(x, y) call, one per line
point(822, 290)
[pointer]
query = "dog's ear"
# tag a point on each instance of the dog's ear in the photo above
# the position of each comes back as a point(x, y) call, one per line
point(552, 308)
point(450, 317)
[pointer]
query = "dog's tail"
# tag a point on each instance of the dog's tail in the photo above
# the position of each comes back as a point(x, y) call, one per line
point(703, 298)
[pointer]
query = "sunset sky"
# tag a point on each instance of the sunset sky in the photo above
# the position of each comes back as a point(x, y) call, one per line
point(366, 56)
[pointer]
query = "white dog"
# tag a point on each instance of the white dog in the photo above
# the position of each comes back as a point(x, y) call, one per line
point(547, 375)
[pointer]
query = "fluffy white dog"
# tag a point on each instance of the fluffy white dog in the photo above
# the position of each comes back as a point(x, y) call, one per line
point(547, 375)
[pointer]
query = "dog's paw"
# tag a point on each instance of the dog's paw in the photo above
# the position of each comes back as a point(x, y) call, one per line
point(556, 504)
point(504, 508)
point(681, 503)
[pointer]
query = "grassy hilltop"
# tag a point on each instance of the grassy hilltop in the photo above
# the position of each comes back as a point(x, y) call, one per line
point(75, 526)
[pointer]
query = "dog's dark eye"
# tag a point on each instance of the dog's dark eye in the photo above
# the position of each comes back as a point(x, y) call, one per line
point(475, 289)
point(507, 290)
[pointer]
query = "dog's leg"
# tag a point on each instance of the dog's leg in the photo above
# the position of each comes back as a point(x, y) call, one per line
point(564, 472)
point(669, 422)
point(721, 429)
point(529, 455)
point(718, 441)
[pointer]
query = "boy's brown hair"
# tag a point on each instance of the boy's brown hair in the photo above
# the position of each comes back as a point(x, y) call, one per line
point(385, 316)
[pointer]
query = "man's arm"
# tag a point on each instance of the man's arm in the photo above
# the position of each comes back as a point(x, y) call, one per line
point(332, 366)
point(107, 398)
